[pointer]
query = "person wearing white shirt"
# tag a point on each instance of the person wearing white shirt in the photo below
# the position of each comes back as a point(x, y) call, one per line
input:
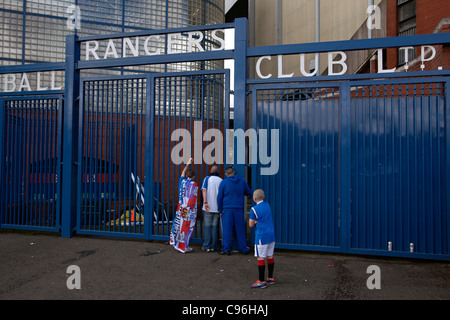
point(210, 188)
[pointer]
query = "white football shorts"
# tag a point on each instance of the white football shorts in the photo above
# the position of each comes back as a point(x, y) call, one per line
point(264, 250)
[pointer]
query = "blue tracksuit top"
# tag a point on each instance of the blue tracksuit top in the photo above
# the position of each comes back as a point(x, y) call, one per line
point(231, 193)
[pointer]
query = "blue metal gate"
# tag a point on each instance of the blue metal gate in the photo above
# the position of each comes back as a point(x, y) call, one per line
point(30, 170)
point(398, 167)
point(125, 143)
point(194, 103)
point(111, 156)
point(362, 165)
point(304, 194)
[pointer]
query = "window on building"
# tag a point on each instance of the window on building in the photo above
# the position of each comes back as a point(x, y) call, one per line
point(406, 10)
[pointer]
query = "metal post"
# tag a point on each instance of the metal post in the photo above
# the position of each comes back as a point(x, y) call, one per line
point(251, 31)
point(369, 36)
point(240, 87)
point(70, 136)
point(317, 20)
point(278, 29)
point(447, 138)
point(150, 158)
point(345, 167)
point(318, 32)
point(2, 125)
point(369, 30)
point(279, 22)
point(240, 92)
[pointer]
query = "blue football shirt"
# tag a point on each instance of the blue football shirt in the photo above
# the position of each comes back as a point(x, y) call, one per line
point(265, 232)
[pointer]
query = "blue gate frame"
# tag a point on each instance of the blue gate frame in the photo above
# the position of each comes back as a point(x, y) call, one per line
point(356, 239)
point(399, 155)
point(356, 235)
point(202, 94)
point(125, 123)
point(111, 141)
point(304, 193)
point(30, 145)
point(375, 148)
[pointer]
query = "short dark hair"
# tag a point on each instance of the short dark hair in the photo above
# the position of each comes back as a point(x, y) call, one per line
point(229, 171)
point(215, 169)
point(190, 173)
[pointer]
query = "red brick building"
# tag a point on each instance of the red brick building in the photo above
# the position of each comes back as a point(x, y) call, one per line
point(410, 17)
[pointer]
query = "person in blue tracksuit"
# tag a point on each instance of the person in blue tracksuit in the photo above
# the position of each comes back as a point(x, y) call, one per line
point(230, 202)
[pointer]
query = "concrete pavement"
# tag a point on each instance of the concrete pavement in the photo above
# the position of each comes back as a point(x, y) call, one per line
point(34, 266)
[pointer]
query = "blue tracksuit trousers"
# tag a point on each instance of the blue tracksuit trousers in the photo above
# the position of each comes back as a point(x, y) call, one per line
point(233, 218)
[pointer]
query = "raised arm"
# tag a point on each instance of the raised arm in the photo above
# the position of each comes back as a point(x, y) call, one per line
point(183, 174)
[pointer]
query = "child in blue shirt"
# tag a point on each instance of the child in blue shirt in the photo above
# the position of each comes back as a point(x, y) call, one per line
point(261, 219)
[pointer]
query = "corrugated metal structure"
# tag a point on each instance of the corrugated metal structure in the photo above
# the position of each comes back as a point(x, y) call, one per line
point(304, 193)
point(397, 166)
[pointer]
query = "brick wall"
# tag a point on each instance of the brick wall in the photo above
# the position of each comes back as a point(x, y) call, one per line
point(429, 14)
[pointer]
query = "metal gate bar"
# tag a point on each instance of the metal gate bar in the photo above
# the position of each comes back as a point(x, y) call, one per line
point(111, 156)
point(31, 155)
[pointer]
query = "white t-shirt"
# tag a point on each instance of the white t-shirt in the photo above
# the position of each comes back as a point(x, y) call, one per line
point(211, 184)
